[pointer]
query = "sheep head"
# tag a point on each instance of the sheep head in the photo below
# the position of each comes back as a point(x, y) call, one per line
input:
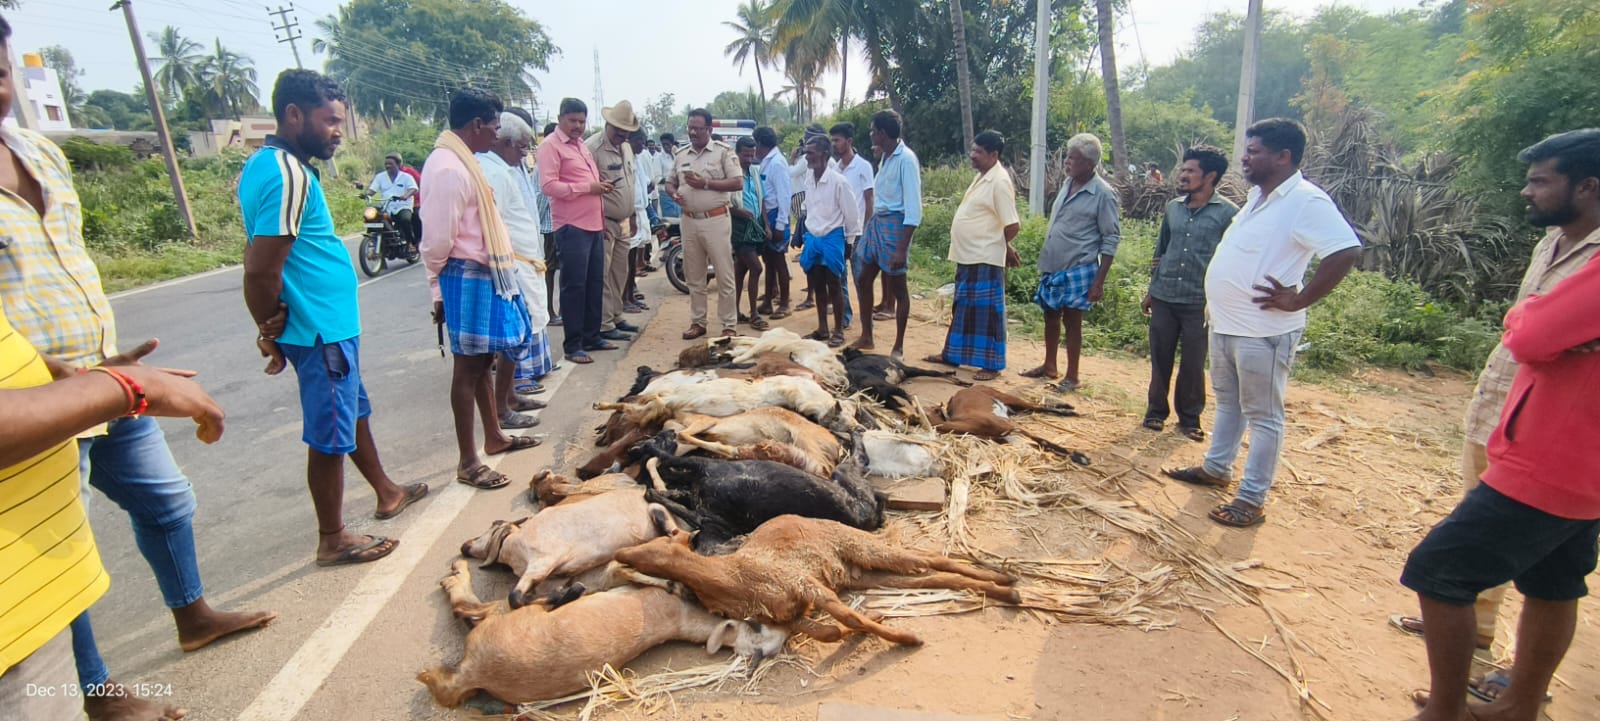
point(756, 641)
point(487, 545)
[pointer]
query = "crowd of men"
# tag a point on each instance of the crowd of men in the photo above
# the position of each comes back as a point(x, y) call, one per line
point(500, 220)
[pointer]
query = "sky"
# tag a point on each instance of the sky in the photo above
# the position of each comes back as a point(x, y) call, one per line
point(666, 45)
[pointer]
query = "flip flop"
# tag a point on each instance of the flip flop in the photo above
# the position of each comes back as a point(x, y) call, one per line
point(835, 340)
point(939, 359)
point(518, 443)
point(483, 477)
point(759, 323)
point(527, 404)
point(1411, 625)
point(779, 314)
point(1154, 424)
point(1238, 514)
point(1195, 475)
point(815, 335)
point(807, 305)
point(1497, 680)
point(517, 421)
point(1067, 386)
point(1193, 434)
point(1039, 373)
point(362, 553)
point(985, 375)
point(414, 492)
point(532, 390)
point(882, 315)
point(580, 358)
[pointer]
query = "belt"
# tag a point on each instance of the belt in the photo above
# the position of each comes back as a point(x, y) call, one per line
point(712, 213)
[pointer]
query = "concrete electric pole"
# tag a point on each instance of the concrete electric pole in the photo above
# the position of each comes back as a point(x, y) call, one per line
point(285, 31)
point(1247, 79)
point(1041, 110)
point(168, 151)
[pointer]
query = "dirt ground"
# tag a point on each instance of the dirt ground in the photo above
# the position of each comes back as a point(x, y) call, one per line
point(1369, 464)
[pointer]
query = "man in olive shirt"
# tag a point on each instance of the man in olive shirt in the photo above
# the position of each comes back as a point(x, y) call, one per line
point(614, 158)
point(703, 175)
point(1191, 228)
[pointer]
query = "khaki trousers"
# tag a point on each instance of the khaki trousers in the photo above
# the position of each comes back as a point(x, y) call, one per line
point(710, 240)
point(616, 271)
point(1474, 461)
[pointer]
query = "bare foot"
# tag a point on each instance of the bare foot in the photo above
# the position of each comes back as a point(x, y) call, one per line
point(862, 343)
point(199, 624)
point(119, 704)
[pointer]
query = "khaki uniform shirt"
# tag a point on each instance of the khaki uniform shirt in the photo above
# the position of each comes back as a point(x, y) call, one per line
point(616, 167)
point(715, 162)
point(1544, 272)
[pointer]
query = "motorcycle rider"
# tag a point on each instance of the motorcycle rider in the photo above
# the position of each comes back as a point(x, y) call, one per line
point(398, 192)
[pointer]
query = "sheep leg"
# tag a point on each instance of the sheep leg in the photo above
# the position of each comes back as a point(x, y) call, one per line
point(721, 449)
point(1023, 405)
point(914, 372)
point(825, 632)
point(1054, 447)
point(855, 621)
point(464, 602)
point(953, 581)
point(601, 406)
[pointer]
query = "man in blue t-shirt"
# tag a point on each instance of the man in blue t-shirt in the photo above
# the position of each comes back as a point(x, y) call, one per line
point(301, 291)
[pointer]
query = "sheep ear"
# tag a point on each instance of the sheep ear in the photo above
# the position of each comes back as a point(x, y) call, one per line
point(719, 636)
point(497, 538)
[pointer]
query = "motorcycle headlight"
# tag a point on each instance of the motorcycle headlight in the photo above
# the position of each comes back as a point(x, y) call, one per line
point(370, 214)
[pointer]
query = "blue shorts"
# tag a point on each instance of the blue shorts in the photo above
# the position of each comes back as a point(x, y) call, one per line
point(332, 397)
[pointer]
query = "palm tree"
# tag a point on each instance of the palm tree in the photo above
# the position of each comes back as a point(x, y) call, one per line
point(229, 81)
point(755, 30)
point(806, 58)
point(1108, 73)
point(958, 30)
point(180, 60)
point(866, 21)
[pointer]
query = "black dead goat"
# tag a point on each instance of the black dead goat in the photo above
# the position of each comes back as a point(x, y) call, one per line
point(726, 499)
point(880, 376)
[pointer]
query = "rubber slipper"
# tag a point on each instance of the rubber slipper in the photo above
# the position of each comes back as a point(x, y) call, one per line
point(1193, 434)
point(517, 421)
point(580, 358)
point(1237, 514)
point(985, 375)
point(532, 390)
point(1067, 386)
point(483, 477)
point(779, 314)
point(518, 443)
point(1039, 372)
point(414, 492)
point(1153, 424)
point(882, 315)
point(938, 358)
point(815, 335)
point(807, 305)
point(835, 340)
point(372, 550)
point(760, 323)
point(602, 345)
point(1195, 475)
point(1497, 680)
point(1411, 625)
point(526, 404)
point(729, 333)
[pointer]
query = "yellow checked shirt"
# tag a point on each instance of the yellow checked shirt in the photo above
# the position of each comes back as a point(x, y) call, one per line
point(48, 283)
point(49, 568)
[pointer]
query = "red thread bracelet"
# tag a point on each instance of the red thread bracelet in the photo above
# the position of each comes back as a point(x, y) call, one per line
point(137, 403)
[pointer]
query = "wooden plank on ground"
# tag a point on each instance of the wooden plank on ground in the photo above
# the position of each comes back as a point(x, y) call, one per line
point(913, 494)
point(852, 712)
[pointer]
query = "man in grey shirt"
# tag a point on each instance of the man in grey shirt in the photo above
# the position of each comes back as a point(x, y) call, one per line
point(1191, 228)
point(1077, 255)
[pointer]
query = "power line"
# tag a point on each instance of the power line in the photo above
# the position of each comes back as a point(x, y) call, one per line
point(287, 25)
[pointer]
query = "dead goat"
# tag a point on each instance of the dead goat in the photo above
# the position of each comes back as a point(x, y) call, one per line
point(792, 566)
point(984, 412)
point(728, 498)
point(728, 396)
point(819, 447)
point(880, 376)
point(549, 649)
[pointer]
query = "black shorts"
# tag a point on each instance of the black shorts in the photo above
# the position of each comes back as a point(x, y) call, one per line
point(552, 257)
point(1491, 539)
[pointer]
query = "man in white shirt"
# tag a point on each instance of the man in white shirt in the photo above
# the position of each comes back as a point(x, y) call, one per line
point(1258, 310)
point(776, 190)
point(831, 218)
point(398, 192)
point(858, 171)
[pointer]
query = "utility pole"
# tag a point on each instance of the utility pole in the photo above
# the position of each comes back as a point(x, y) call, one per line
point(1041, 109)
point(1247, 79)
point(169, 152)
point(599, 91)
point(286, 27)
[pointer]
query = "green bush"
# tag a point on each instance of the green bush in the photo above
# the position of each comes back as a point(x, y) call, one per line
point(86, 154)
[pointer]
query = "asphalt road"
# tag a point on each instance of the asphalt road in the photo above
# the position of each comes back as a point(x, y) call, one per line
point(349, 640)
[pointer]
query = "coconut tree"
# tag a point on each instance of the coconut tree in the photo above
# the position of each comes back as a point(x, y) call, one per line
point(1108, 74)
point(229, 81)
point(181, 60)
point(958, 31)
point(754, 28)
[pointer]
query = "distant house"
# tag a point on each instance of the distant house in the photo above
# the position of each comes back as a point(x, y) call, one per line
point(249, 132)
point(143, 143)
point(47, 104)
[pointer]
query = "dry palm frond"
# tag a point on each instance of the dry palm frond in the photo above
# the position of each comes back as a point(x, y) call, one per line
point(610, 687)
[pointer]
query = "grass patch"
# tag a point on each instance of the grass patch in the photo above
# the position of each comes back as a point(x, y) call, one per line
point(132, 269)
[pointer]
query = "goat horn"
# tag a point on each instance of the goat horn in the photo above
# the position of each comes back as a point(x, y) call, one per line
point(655, 475)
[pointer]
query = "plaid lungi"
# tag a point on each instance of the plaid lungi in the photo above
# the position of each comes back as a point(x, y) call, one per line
point(1068, 288)
point(826, 250)
point(542, 362)
point(748, 236)
point(480, 322)
point(977, 334)
point(878, 240)
point(781, 244)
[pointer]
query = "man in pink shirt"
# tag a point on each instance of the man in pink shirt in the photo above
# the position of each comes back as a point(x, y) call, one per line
point(571, 180)
point(471, 276)
point(1535, 518)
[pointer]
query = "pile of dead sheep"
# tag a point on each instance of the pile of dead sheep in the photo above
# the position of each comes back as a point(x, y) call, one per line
point(728, 505)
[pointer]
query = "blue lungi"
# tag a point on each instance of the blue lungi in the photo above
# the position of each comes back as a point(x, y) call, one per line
point(826, 250)
point(1068, 288)
point(481, 322)
point(878, 242)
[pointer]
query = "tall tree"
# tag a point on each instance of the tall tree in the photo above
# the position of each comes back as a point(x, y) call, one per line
point(1108, 74)
point(958, 33)
point(872, 23)
point(397, 58)
point(180, 59)
point(754, 27)
point(229, 82)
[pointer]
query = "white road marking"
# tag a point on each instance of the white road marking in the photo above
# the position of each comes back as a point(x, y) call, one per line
point(170, 283)
point(304, 673)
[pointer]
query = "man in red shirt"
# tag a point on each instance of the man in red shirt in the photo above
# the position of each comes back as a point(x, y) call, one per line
point(1535, 518)
point(416, 175)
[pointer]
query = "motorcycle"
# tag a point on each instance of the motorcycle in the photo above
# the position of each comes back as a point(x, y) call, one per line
point(672, 258)
point(382, 242)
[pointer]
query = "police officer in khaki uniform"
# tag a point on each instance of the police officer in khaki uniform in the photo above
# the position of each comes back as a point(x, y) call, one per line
point(703, 175)
point(614, 158)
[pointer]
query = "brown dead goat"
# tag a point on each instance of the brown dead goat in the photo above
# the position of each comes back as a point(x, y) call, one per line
point(818, 449)
point(538, 652)
point(792, 565)
point(984, 412)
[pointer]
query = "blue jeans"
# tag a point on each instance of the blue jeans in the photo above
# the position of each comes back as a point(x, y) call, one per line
point(1249, 376)
point(849, 278)
point(132, 465)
